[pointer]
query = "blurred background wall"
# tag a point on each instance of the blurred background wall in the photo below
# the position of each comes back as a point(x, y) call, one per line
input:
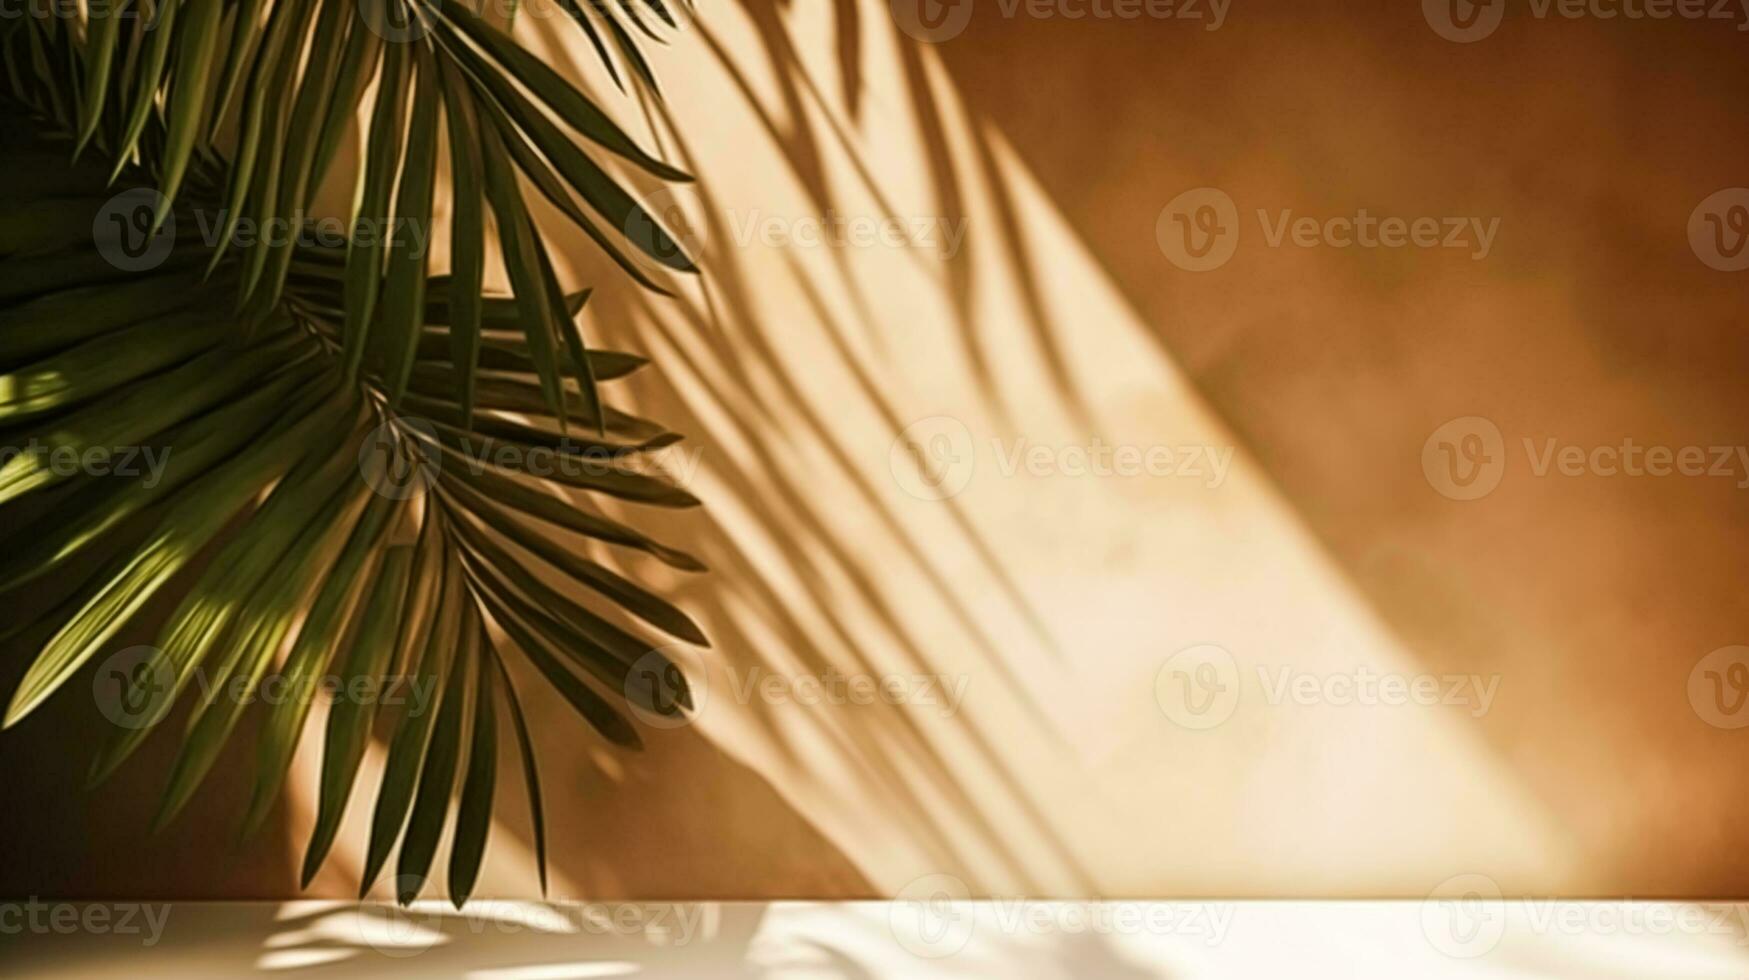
point(952, 285)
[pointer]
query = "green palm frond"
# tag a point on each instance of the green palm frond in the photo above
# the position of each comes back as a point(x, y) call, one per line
point(348, 490)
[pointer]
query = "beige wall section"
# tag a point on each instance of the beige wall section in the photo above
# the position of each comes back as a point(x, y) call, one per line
point(1057, 600)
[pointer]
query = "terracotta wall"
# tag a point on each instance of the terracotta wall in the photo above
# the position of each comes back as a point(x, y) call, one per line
point(896, 439)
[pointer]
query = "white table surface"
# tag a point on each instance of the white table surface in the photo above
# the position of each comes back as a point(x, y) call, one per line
point(1007, 938)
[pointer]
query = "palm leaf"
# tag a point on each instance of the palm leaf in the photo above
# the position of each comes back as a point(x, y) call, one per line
point(307, 524)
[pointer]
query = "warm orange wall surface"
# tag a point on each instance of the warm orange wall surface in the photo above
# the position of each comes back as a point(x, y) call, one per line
point(1055, 602)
